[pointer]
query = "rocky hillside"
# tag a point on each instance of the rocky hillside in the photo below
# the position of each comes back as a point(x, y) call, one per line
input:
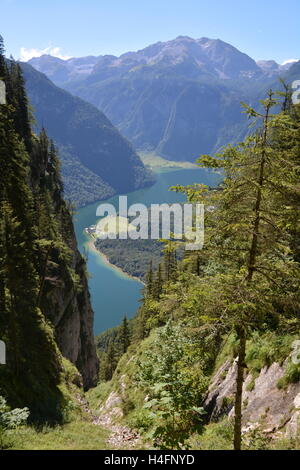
point(61, 71)
point(271, 397)
point(271, 68)
point(65, 299)
point(177, 98)
point(267, 404)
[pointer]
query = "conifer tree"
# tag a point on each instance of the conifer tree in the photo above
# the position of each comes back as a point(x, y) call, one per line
point(249, 229)
point(158, 283)
point(141, 328)
point(28, 227)
point(125, 335)
point(18, 98)
point(3, 67)
point(252, 234)
point(169, 260)
point(111, 359)
point(149, 281)
point(22, 318)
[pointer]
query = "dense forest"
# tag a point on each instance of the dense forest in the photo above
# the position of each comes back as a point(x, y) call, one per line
point(45, 311)
point(136, 257)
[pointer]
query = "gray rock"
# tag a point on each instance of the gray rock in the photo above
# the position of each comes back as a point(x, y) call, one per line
point(266, 404)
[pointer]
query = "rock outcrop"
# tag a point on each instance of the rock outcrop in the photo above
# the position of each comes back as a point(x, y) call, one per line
point(65, 298)
point(66, 303)
point(263, 402)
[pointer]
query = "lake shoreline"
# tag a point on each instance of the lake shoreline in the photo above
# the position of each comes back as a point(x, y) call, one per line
point(91, 245)
point(113, 293)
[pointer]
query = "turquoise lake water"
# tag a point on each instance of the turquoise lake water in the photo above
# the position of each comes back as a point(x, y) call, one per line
point(114, 294)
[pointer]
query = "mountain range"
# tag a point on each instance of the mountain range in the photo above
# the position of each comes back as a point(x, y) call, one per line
point(97, 161)
point(176, 99)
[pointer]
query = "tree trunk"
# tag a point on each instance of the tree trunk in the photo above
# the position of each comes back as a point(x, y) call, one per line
point(239, 390)
point(253, 251)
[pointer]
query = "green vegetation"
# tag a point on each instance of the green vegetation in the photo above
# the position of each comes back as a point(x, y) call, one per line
point(132, 256)
point(158, 163)
point(10, 419)
point(81, 185)
point(216, 436)
point(172, 389)
point(38, 260)
point(266, 348)
point(135, 257)
point(79, 434)
point(21, 262)
point(239, 296)
point(111, 345)
point(291, 376)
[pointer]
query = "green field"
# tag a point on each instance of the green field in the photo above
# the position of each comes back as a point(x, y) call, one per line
point(157, 163)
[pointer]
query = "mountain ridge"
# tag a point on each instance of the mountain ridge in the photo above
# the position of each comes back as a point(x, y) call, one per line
point(177, 99)
point(203, 50)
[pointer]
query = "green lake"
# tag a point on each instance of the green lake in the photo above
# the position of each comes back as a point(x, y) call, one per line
point(113, 293)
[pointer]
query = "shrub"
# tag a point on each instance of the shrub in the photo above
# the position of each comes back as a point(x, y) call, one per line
point(171, 374)
point(10, 419)
point(291, 375)
point(142, 420)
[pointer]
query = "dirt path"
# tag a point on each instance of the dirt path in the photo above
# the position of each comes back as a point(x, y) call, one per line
point(121, 437)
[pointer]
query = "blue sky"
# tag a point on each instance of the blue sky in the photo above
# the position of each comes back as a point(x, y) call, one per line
point(264, 29)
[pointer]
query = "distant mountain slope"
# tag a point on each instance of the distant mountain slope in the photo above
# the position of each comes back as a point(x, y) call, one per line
point(271, 68)
point(97, 161)
point(294, 72)
point(177, 99)
point(61, 71)
point(211, 56)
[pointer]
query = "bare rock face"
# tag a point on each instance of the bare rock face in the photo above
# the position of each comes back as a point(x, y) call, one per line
point(66, 303)
point(221, 392)
point(74, 329)
point(65, 300)
point(111, 410)
point(294, 423)
point(266, 401)
point(263, 402)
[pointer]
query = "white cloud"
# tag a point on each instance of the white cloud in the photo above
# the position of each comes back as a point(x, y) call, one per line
point(289, 61)
point(27, 54)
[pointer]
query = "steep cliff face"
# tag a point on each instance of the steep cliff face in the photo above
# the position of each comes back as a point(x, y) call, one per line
point(64, 294)
point(69, 308)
